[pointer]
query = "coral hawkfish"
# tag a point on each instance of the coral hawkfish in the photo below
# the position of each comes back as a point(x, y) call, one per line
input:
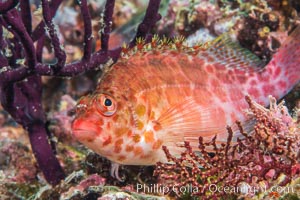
point(165, 93)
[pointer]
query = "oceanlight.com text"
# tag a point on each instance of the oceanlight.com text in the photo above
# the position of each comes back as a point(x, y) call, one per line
point(247, 189)
point(214, 188)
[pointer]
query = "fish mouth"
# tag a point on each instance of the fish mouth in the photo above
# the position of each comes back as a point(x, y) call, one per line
point(84, 135)
point(83, 131)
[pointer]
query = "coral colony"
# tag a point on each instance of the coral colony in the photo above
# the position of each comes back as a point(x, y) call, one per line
point(267, 157)
point(21, 66)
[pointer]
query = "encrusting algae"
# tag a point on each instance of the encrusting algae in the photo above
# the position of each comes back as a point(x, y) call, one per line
point(165, 94)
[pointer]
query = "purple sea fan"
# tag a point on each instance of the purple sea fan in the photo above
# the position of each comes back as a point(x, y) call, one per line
point(267, 156)
point(22, 65)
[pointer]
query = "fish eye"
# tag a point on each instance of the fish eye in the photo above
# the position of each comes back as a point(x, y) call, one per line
point(107, 102)
point(106, 105)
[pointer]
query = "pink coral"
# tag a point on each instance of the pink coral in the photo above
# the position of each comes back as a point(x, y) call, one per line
point(261, 157)
point(82, 188)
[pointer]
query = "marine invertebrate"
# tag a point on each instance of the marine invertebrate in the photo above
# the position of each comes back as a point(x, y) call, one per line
point(21, 66)
point(261, 159)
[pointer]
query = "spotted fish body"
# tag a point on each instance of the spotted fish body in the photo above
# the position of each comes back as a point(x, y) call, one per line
point(164, 96)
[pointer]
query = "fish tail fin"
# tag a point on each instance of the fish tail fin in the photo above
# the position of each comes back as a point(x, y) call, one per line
point(285, 65)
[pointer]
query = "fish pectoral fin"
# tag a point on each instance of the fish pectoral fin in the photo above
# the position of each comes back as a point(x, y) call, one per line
point(187, 117)
point(186, 121)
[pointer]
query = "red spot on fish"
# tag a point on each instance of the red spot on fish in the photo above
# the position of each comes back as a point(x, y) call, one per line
point(238, 72)
point(282, 84)
point(129, 133)
point(147, 156)
point(286, 73)
point(293, 78)
point(253, 92)
point(215, 83)
point(107, 141)
point(157, 144)
point(157, 127)
point(277, 72)
point(241, 79)
point(223, 77)
point(210, 68)
point(268, 89)
point(219, 67)
point(138, 150)
point(121, 131)
point(149, 136)
point(121, 158)
point(264, 77)
point(129, 148)
point(118, 146)
point(99, 122)
point(115, 118)
point(136, 138)
point(108, 125)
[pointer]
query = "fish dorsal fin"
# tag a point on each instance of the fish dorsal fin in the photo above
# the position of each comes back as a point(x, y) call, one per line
point(229, 53)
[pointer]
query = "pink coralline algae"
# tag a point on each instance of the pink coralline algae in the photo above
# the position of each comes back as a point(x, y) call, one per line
point(17, 163)
point(269, 156)
point(85, 187)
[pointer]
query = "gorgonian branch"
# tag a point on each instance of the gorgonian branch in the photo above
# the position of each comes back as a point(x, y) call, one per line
point(107, 18)
point(3, 60)
point(39, 48)
point(14, 75)
point(88, 38)
point(99, 57)
point(7, 5)
point(151, 17)
point(40, 29)
point(58, 52)
point(14, 46)
point(26, 15)
point(13, 19)
point(3, 44)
